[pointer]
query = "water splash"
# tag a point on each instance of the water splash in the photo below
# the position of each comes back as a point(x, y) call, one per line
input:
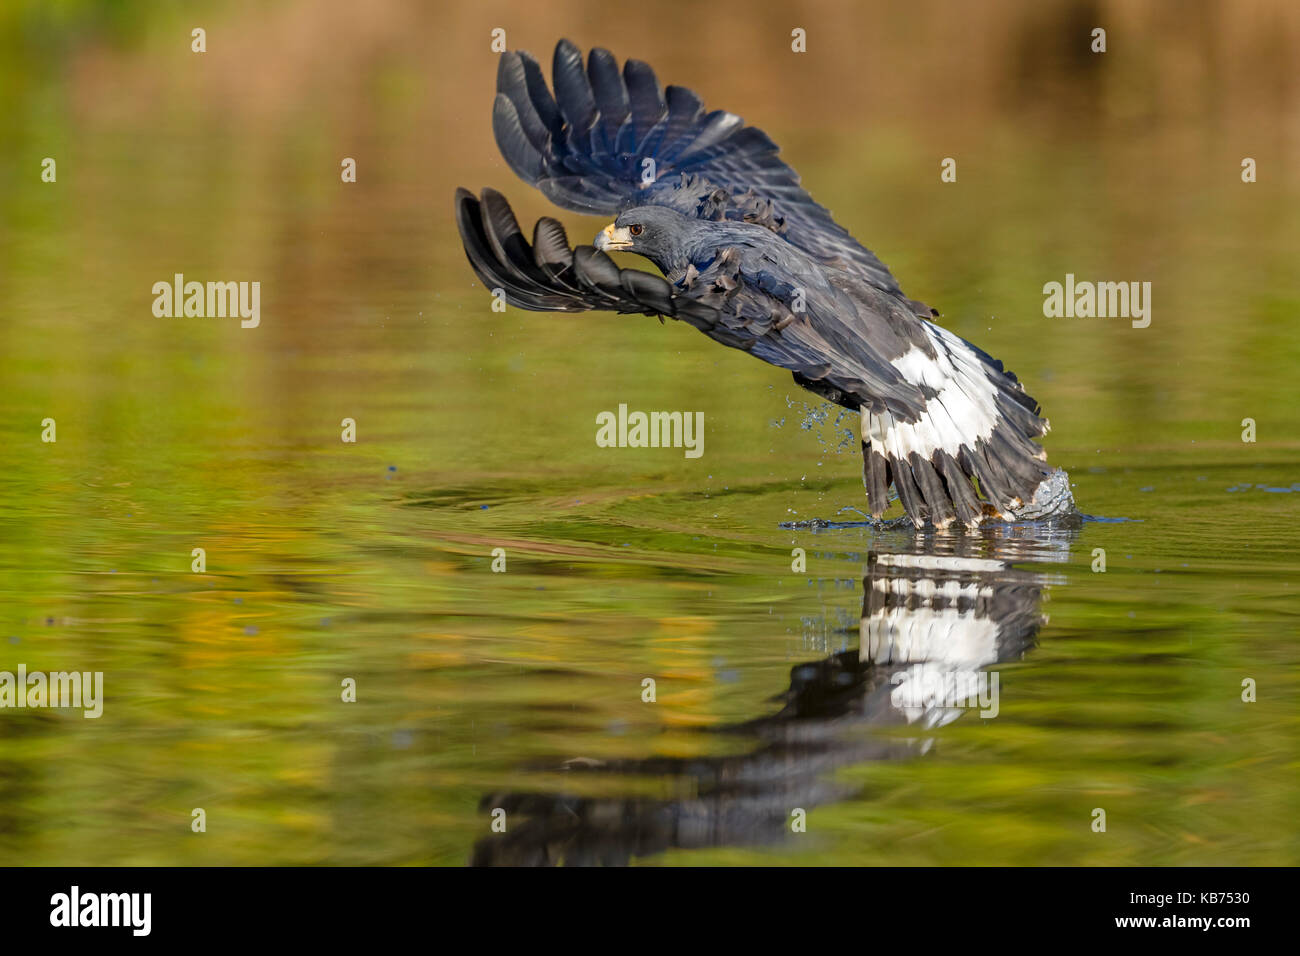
point(825, 417)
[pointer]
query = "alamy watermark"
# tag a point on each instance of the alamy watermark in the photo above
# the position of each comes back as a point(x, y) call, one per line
point(130, 910)
point(57, 689)
point(927, 687)
point(212, 300)
point(1086, 300)
point(651, 430)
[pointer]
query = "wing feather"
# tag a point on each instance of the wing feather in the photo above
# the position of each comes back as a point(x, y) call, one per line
point(585, 149)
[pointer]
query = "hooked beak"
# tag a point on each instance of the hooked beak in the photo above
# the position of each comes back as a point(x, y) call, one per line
point(610, 239)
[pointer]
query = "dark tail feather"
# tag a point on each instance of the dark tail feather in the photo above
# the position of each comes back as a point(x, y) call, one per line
point(875, 473)
point(941, 489)
point(995, 484)
point(959, 488)
point(908, 493)
point(1025, 470)
point(941, 508)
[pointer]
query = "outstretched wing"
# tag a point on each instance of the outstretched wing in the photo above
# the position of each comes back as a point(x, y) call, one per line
point(586, 148)
point(744, 312)
point(550, 276)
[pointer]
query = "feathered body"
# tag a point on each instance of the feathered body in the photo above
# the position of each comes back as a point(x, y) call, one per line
point(752, 261)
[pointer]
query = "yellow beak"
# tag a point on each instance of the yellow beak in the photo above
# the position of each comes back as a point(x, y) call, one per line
point(610, 239)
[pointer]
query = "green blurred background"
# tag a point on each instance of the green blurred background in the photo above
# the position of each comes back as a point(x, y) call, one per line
point(475, 429)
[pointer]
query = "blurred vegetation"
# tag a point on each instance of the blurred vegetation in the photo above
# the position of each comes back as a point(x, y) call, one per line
point(476, 429)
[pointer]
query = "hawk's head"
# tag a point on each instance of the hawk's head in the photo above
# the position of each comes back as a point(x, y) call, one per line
point(660, 234)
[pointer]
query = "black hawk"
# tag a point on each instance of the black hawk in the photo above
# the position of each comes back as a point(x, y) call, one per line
point(749, 259)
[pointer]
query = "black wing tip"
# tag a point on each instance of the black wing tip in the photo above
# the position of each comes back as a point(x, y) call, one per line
point(468, 213)
point(507, 60)
point(548, 276)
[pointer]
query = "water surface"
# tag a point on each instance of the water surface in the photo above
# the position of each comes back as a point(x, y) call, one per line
point(775, 689)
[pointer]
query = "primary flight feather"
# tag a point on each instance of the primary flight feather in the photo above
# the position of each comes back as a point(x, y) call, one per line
point(752, 261)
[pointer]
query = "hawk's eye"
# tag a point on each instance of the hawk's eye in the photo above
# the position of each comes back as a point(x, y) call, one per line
point(636, 229)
